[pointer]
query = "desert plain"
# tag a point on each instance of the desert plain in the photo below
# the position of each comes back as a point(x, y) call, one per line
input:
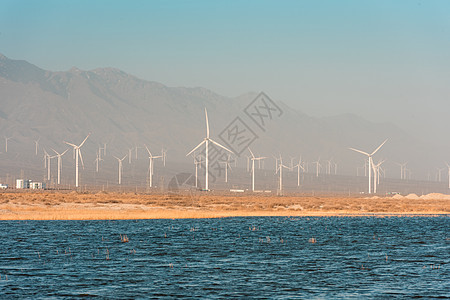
point(114, 206)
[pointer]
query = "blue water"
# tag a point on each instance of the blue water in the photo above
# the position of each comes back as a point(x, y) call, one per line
point(269, 257)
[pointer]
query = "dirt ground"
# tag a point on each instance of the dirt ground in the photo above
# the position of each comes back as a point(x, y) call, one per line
point(101, 206)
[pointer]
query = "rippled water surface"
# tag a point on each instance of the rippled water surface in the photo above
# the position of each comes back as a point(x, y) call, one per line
point(270, 257)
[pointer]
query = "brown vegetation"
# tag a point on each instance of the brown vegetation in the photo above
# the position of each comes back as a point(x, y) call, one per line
point(77, 206)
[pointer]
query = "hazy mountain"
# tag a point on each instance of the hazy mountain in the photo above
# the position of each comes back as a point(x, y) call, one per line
point(125, 111)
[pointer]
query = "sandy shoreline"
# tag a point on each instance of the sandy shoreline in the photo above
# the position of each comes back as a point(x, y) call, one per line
point(116, 206)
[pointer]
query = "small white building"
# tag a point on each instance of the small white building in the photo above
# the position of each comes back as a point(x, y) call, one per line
point(37, 185)
point(23, 183)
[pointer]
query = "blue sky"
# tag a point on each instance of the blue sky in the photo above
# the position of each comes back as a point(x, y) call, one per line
point(383, 60)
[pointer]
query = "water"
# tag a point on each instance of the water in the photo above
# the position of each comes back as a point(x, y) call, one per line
point(223, 258)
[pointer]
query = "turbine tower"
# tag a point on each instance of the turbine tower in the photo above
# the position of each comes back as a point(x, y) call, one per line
point(59, 163)
point(206, 141)
point(253, 158)
point(120, 167)
point(78, 154)
point(370, 162)
point(150, 166)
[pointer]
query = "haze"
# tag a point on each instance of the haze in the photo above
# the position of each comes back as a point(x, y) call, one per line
point(386, 61)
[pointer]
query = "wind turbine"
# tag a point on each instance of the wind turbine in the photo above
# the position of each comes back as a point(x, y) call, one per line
point(150, 166)
point(329, 166)
point(376, 171)
point(299, 165)
point(197, 162)
point(120, 167)
point(280, 169)
point(97, 160)
point(439, 170)
point(164, 154)
point(129, 155)
point(448, 166)
point(318, 165)
point(47, 160)
point(227, 164)
point(206, 141)
point(78, 154)
point(136, 151)
point(36, 142)
point(253, 158)
point(6, 143)
point(402, 170)
point(370, 162)
point(59, 163)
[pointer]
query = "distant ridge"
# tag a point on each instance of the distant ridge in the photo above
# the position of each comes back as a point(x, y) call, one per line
point(123, 111)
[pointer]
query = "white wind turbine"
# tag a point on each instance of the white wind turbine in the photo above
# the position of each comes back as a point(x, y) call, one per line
point(120, 167)
point(402, 170)
point(280, 169)
point(164, 155)
point(129, 155)
point(136, 151)
point(197, 162)
point(150, 166)
point(448, 166)
point(298, 166)
point(253, 158)
point(370, 162)
point(97, 160)
point(206, 141)
point(6, 143)
point(48, 160)
point(439, 170)
point(78, 154)
point(376, 171)
point(59, 155)
point(318, 165)
point(227, 165)
point(36, 142)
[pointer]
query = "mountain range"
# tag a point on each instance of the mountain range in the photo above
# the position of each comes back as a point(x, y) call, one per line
point(124, 111)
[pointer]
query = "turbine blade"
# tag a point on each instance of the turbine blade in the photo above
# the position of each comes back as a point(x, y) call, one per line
point(379, 147)
point(359, 151)
point(81, 157)
point(64, 152)
point(251, 152)
point(207, 124)
point(70, 144)
point(198, 146)
point(149, 153)
point(85, 140)
point(223, 147)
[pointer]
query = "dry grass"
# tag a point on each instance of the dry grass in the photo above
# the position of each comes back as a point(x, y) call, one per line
point(75, 206)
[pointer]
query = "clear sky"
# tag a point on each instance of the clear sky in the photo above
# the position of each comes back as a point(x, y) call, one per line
point(383, 60)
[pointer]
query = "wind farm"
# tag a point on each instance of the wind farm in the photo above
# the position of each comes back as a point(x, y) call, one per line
point(220, 164)
point(224, 149)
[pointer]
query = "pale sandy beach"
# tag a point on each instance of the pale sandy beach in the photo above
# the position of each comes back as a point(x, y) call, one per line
point(103, 206)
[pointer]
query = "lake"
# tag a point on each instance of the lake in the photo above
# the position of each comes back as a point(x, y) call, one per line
point(257, 257)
